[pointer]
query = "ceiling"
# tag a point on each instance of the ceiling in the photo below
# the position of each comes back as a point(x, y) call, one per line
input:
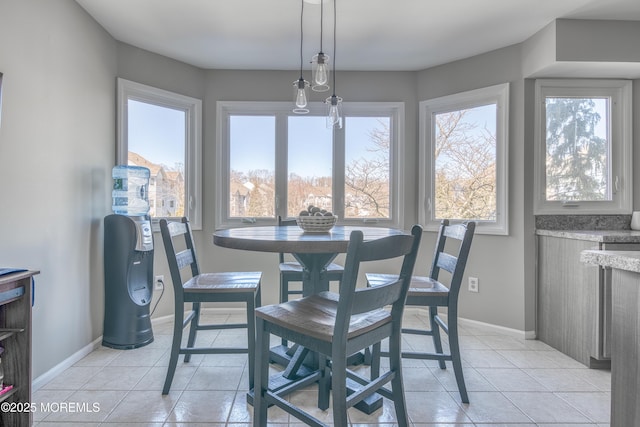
point(406, 35)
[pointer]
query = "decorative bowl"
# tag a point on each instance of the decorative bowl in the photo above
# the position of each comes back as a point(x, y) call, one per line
point(316, 224)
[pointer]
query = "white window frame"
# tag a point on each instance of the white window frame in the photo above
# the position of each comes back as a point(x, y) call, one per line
point(499, 95)
point(193, 148)
point(282, 110)
point(620, 92)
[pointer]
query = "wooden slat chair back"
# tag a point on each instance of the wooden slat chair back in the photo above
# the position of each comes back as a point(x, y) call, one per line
point(292, 272)
point(191, 286)
point(337, 325)
point(450, 254)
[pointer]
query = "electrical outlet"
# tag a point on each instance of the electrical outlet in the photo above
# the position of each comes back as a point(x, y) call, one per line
point(473, 284)
point(159, 283)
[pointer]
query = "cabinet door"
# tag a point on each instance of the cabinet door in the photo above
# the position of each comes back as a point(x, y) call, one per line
point(567, 297)
point(603, 343)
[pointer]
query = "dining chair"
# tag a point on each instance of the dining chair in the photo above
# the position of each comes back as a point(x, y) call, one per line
point(201, 288)
point(336, 325)
point(292, 271)
point(430, 292)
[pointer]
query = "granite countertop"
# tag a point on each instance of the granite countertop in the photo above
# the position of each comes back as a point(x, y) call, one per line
point(622, 260)
point(602, 236)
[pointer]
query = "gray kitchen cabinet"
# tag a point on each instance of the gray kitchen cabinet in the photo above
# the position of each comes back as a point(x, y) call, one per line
point(574, 300)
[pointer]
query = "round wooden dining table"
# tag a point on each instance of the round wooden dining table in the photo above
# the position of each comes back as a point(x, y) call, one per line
point(314, 251)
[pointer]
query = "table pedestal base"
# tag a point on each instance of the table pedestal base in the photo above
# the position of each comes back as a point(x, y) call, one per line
point(279, 383)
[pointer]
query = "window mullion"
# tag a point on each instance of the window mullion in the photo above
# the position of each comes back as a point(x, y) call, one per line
point(339, 169)
point(281, 172)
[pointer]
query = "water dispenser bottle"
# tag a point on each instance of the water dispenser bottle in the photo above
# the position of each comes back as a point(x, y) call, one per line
point(130, 190)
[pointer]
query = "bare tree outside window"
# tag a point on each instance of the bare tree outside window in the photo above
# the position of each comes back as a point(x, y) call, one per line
point(367, 174)
point(465, 164)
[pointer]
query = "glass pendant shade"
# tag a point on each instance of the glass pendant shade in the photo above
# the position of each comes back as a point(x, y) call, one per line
point(300, 96)
point(334, 114)
point(320, 71)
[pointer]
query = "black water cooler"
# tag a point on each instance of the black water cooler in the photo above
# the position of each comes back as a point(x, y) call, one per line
point(128, 280)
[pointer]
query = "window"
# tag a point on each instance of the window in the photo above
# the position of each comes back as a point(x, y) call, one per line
point(463, 159)
point(273, 162)
point(583, 147)
point(161, 130)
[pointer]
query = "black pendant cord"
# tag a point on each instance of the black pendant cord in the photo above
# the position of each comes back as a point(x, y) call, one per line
point(301, 35)
point(334, 47)
point(321, 24)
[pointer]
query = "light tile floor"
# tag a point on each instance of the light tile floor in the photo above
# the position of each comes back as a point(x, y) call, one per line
point(511, 382)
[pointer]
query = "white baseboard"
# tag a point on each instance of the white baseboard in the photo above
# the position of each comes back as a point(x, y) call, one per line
point(66, 363)
point(41, 380)
point(516, 333)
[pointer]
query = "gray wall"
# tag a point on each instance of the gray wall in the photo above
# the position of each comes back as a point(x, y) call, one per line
point(56, 153)
point(497, 261)
point(57, 147)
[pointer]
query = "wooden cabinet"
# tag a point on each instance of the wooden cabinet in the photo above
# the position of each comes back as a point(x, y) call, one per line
point(15, 338)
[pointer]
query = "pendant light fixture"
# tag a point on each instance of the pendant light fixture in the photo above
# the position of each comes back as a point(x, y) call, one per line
point(301, 86)
point(320, 63)
point(334, 103)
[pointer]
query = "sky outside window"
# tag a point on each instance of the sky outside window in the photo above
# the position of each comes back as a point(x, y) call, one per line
point(157, 133)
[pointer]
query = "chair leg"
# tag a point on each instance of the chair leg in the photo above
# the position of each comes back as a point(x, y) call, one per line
point(284, 297)
point(367, 356)
point(435, 334)
point(375, 360)
point(324, 384)
point(339, 388)
point(454, 347)
point(397, 387)
point(261, 380)
point(175, 345)
point(284, 289)
point(251, 335)
point(193, 329)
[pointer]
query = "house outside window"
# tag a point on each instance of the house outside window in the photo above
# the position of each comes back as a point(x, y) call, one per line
point(273, 162)
point(161, 130)
point(583, 147)
point(464, 159)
